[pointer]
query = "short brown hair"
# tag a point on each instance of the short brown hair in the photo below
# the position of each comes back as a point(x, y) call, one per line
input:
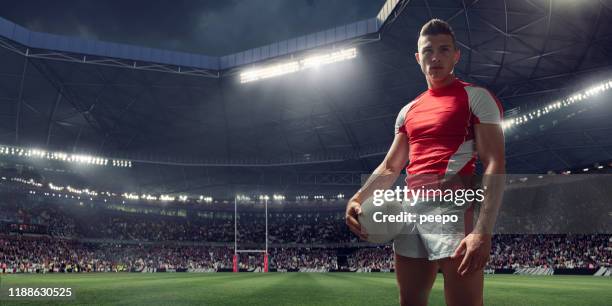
point(436, 27)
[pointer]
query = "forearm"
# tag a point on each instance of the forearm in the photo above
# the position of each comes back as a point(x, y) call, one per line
point(383, 177)
point(493, 183)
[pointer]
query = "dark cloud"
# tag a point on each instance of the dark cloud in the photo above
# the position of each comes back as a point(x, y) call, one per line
point(210, 27)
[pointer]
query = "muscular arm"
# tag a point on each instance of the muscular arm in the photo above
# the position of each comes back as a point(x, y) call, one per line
point(389, 169)
point(383, 177)
point(491, 151)
point(476, 246)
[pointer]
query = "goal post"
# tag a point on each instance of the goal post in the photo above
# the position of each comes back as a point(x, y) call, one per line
point(237, 251)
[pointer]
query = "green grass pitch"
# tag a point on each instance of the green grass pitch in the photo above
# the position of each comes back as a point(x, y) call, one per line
point(297, 289)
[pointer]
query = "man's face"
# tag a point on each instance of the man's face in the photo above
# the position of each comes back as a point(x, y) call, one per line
point(437, 56)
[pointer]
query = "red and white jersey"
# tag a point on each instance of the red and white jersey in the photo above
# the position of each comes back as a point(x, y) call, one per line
point(440, 123)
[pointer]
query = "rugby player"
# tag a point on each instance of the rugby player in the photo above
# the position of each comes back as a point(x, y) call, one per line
point(442, 132)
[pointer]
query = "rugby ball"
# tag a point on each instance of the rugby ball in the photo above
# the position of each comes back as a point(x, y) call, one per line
point(381, 222)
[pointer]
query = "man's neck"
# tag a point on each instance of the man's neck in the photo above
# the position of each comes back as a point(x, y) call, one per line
point(435, 85)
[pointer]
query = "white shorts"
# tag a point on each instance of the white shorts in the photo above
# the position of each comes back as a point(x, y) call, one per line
point(434, 240)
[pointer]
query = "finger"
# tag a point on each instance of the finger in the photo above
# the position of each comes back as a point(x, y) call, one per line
point(358, 233)
point(355, 227)
point(460, 249)
point(352, 222)
point(465, 263)
point(473, 267)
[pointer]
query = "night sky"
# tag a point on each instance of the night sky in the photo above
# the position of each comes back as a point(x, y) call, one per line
point(208, 27)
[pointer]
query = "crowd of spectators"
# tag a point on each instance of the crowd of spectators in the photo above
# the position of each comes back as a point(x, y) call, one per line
point(52, 237)
point(45, 254)
point(551, 251)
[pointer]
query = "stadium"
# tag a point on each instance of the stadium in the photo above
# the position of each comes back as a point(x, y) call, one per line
point(138, 175)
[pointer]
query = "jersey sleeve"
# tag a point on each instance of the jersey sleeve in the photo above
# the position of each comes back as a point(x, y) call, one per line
point(400, 121)
point(484, 106)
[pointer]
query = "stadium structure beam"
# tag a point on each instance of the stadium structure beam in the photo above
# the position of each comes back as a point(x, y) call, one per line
point(20, 100)
point(473, 9)
point(525, 35)
point(146, 86)
point(484, 56)
point(528, 81)
point(517, 31)
point(337, 178)
point(461, 11)
point(545, 55)
point(228, 149)
point(116, 119)
point(548, 22)
point(52, 114)
point(428, 9)
point(468, 69)
point(116, 123)
point(518, 39)
point(106, 61)
point(531, 93)
point(81, 109)
point(530, 2)
point(505, 32)
point(593, 33)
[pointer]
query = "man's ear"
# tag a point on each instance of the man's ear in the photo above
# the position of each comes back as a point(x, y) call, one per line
point(457, 56)
point(418, 58)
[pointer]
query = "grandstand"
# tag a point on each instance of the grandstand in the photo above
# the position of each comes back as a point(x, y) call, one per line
point(119, 162)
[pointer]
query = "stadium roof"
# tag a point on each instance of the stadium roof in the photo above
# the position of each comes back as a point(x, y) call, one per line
point(320, 127)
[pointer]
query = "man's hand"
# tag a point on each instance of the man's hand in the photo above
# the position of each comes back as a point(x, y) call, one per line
point(476, 249)
point(353, 210)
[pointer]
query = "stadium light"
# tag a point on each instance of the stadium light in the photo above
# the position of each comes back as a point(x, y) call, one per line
point(557, 105)
point(63, 157)
point(131, 196)
point(56, 188)
point(298, 65)
point(241, 197)
point(165, 197)
point(30, 182)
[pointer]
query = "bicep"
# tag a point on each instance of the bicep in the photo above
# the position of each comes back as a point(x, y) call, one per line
point(490, 142)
